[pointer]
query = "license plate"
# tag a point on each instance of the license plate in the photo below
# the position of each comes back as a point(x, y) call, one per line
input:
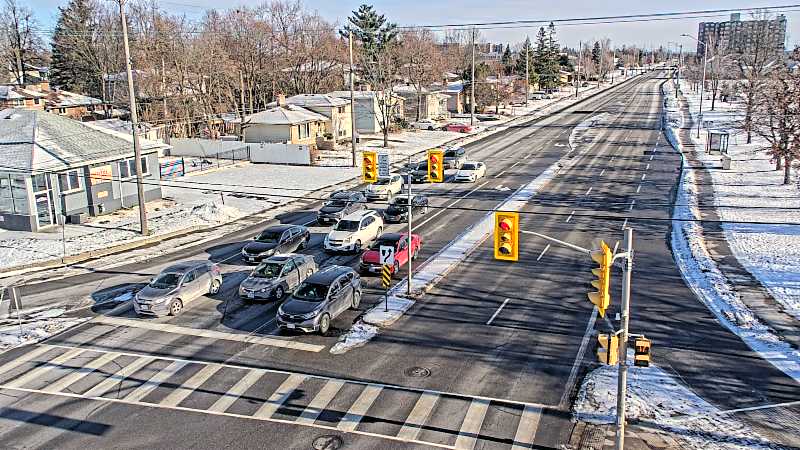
point(250, 295)
point(374, 269)
point(290, 325)
point(250, 258)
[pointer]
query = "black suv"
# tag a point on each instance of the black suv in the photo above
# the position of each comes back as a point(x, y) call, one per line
point(285, 238)
point(398, 210)
point(342, 203)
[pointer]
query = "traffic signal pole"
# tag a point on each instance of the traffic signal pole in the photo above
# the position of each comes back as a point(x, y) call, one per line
point(622, 381)
point(408, 283)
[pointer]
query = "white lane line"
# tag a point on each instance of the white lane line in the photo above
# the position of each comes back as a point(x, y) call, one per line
point(526, 429)
point(150, 385)
point(602, 172)
point(500, 174)
point(81, 372)
point(648, 167)
point(652, 155)
point(320, 402)
point(238, 390)
point(644, 175)
point(547, 247)
point(630, 208)
point(515, 164)
point(613, 158)
point(471, 427)
point(418, 416)
point(310, 222)
point(579, 357)
point(624, 223)
point(639, 188)
point(359, 409)
point(184, 390)
point(22, 359)
point(497, 312)
point(43, 369)
point(105, 385)
point(589, 191)
point(212, 334)
point(448, 206)
point(570, 216)
point(280, 395)
point(616, 246)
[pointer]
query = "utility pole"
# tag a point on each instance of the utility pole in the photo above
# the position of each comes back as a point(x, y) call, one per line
point(471, 86)
point(527, 73)
point(137, 153)
point(580, 62)
point(702, 89)
point(613, 64)
point(680, 62)
point(352, 100)
point(622, 381)
point(408, 283)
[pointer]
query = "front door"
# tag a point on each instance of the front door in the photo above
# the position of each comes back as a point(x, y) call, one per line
point(290, 275)
point(44, 216)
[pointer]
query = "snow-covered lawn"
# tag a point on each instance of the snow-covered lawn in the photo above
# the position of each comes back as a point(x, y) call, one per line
point(35, 327)
point(654, 396)
point(753, 191)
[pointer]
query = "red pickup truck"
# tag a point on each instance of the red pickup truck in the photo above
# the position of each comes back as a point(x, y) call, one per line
point(371, 259)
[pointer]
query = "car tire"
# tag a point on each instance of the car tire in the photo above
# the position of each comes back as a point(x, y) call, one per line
point(389, 196)
point(356, 300)
point(425, 210)
point(380, 231)
point(357, 246)
point(430, 128)
point(214, 289)
point(175, 307)
point(278, 293)
point(324, 324)
point(303, 243)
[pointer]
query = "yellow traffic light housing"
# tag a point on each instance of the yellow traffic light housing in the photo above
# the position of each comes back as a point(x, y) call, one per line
point(641, 356)
point(435, 166)
point(506, 236)
point(369, 167)
point(608, 349)
point(602, 298)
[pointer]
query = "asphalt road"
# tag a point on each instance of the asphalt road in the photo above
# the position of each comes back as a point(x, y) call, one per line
point(489, 359)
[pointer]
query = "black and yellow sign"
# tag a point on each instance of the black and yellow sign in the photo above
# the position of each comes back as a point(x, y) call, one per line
point(386, 276)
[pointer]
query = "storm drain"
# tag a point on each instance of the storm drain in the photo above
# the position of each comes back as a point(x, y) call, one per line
point(327, 442)
point(417, 372)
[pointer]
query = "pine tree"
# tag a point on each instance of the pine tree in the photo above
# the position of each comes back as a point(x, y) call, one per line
point(596, 53)
point(507, 61)
point(519, 68)
point(71, 66)
point(545, 62)
point(372, 30)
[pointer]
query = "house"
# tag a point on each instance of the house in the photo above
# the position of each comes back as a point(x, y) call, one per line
point(32, 74)
point(13, 96)
point(54, 168)
point(422, 104)
point(368, 110)
point(565, 77)
point(65, 103)
point(337, 110)
point(455, 93)
point(284, 123)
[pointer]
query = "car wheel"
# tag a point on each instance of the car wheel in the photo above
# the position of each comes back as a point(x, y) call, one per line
point(380, 231)
point(389, 196)
point(430, 128)
point(425, 210)
point(303, 243)
point(356, 299)
point(215, 285)
point(175, 307)
point(324, 324)
point(357, 246)
point(278, 293)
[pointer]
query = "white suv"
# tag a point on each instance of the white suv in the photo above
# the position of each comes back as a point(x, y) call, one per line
point(384, 188)
point(354, 232)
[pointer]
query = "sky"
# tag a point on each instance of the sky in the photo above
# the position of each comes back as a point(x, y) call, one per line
point(433, 12)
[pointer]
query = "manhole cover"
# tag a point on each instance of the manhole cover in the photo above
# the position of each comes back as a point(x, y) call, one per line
point(327, 442)
point(418, 372)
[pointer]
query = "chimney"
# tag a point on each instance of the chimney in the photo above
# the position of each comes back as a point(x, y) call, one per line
point(280, 99)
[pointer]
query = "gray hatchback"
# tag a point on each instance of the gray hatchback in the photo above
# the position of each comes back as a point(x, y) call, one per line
point(175, 286)
point(277, 275)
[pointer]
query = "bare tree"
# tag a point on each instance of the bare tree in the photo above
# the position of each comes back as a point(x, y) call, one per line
point(19, 42)
point(421, 61)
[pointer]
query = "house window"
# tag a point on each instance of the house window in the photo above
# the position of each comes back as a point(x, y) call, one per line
point(127, 168)
point(12, 195)
point(305, 130)
point(69, 181)
point(341, 110)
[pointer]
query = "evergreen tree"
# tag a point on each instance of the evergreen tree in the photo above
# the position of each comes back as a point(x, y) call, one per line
point(507, 61)
point(526, 52)
point(545, 60)
point(71, 66)
point(596, 53)
point(372, 30)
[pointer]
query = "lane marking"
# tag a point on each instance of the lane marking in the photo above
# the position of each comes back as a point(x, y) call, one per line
point(468, 435)
point(118, 377)
point(500, 174)
point(44, 368)
point(616, 246)
point(22, 359)
point(579, 357)
point(81, 372)
point(643, 176)
point(648, 167)
point(602, 172)
point(526, 429)
point(228, 398)
point(320, 402)
point(211, 334)
point(155, 381)
point(359, 409)
point(547, 247)
point(589, 191)
point(570, 216)
point(448, 206)
point(184, 390)
point(418, 416)
point(630, 208)
point(652, 155)
point(515, 164)
point(639, 188)
point(624, 223)
point(497, 312)
point(277, 399)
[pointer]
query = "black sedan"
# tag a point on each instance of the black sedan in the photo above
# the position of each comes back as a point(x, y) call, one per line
point(398, 210)
point(276, 239)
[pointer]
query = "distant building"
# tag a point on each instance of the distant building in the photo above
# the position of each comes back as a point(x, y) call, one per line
point(40, 96)
point(737, 36)
point(287, 124)
point(368, 109)
point(337, 111)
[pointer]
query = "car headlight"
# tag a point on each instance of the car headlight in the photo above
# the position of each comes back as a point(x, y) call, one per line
point(161, 299)
point(268, 252)
point(310, 314)
point(347, 239)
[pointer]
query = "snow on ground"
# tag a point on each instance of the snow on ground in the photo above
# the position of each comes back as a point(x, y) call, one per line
point(655, 397)
point(35, 327)
point(753, 191)
point(709, 284)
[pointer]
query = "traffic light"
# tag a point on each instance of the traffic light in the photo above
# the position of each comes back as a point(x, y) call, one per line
point(435, 166)
point(641, 357)
point(506, 236)
point(369, 167)
point(601, 297)
point(608, 349)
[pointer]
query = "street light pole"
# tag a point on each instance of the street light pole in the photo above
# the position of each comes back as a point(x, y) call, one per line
point(137, 152)
point(408, 283)
point(527, 73)
point(352, 100)
point(622, 380)
point(472, 84)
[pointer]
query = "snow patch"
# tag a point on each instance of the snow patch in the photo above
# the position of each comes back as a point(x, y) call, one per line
point(32, 332)
point(359, 335)
point(215, 213)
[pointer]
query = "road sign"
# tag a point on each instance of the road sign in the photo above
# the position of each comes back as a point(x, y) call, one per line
point(383, 165)
point(387, 255)
point(386, 276)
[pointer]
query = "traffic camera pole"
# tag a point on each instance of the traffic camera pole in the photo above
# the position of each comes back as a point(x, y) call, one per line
point(623, 341)
point(408, 283)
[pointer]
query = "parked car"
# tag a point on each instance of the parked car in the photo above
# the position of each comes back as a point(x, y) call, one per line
point(538, 95)
point(398, 209)
point(426, 124)
point(371, 259)
point(454, 157)
point(487, 117)
point(384, 188)
point(458, 127)
point(341, 204)
point(276, 239)
point(470, 171)
point(354, 232)
point(170, 291)
point(277, 275)
point(320, 299)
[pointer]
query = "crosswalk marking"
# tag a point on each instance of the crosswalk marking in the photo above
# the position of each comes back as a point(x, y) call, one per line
point(236, 391)
point(105, 385)
point(418, 416)
point(185, 389)
point(325, 395)
point(280, 395)
point(468, 435)
point(81, 372)
point(359, 408)
point(22, 359)
point(47, 366)
point(151, 384)
point(526, 429)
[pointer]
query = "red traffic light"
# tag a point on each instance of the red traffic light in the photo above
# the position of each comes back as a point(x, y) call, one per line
point(506, 224)
point(434, 159)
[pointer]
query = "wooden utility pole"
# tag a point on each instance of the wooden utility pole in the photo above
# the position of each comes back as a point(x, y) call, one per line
point(352, 100)
point(472, 84)
point(527, 71)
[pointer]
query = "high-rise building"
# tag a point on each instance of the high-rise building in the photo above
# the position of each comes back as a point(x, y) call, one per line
point(738, 36)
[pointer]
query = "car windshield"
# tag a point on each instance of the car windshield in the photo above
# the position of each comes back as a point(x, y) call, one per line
point(382, 181)
point(469, 167)
point(311, 292)
point(383, 242)
point(166, 280)
point(346, 225)
point(268, 270)
point(451, 154)
point(336, 203)
point(269, 236)
point(422, 166)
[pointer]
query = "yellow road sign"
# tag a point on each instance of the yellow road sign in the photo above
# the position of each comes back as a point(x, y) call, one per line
point(386, 276)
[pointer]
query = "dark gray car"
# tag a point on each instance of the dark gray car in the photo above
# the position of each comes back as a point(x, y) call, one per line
point(320, 299)
point(175, 286)
point(342, 203)
point(274, 240)
point(277, 275)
